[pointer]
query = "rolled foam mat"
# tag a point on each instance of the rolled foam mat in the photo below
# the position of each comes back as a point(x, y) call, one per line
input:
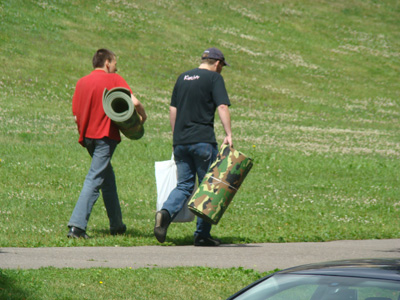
point(118, 106)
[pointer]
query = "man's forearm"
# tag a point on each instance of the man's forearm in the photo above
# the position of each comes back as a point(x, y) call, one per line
point(139, 108)
point(224, 115)
point(172, 117)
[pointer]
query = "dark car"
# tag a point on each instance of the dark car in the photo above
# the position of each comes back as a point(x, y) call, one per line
point(362, 279)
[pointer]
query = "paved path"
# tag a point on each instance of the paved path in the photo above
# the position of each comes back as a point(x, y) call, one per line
point(261, 257)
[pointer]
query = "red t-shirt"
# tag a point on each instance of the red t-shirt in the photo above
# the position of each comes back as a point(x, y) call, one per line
point(87, 105)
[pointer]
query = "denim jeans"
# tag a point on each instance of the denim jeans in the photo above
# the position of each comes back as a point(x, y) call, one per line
point(100, 177)
point(190, 160)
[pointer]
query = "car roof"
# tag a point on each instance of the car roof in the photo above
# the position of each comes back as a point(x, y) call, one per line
point(378, 268)
point(375, 268)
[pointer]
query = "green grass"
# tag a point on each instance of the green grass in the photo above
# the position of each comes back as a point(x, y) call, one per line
point(314, 91)
point(146, 283)
point(315, 101)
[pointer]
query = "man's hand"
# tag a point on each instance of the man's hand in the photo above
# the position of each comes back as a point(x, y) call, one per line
point(227, 141)
point(139, 108)
point(224, 115)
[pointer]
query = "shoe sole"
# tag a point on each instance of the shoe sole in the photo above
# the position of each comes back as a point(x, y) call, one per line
point(204, 243)
point(118, 232)
point(159, 232)
point(74, 236)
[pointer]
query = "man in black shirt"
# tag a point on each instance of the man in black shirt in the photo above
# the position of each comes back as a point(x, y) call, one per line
point(197, 94)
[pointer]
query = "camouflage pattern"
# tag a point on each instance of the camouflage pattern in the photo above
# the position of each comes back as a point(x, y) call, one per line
point(220, 184)
point(118, 106)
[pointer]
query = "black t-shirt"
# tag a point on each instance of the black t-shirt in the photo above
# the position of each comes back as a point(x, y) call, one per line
point(196, 95)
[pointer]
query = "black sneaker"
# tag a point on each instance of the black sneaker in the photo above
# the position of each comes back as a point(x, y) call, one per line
point(206, 241)
point(75, 232)
point(118, 231)
point(163, 220)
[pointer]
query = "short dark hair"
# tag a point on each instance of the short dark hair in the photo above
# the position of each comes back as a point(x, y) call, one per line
point(101, 56)
point(209, 61)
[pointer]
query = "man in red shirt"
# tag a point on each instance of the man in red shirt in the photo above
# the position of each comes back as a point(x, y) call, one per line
point(100, 136)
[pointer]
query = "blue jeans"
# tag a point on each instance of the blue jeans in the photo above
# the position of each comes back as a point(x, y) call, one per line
point(190, 160)
point(100, 177)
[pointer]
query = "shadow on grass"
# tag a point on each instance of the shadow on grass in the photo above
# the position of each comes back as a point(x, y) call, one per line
point(129, 233)
point(225, 241)
point(180, 241)
point(187, 240)
point(9, 288)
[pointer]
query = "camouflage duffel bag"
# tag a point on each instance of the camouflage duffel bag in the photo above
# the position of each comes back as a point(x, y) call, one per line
point(220, 184)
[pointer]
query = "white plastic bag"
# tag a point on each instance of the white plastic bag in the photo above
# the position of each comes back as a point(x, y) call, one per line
point(166, 180)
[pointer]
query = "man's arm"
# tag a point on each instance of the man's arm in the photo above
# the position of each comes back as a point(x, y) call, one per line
point(139, 108)
point(224, 115)
point(172, 117)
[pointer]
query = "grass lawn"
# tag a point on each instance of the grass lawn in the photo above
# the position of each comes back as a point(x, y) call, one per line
point(102, 283)
point(315, 102)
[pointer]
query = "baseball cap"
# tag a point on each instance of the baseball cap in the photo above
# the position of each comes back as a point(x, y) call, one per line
point(214, 53)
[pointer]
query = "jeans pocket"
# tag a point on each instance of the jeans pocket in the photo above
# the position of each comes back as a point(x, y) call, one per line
point(204, 151)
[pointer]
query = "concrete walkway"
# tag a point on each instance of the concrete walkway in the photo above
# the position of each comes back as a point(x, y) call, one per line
point(260, 257)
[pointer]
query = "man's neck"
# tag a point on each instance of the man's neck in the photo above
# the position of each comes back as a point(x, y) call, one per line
point(207, 67)
point(103, 69)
